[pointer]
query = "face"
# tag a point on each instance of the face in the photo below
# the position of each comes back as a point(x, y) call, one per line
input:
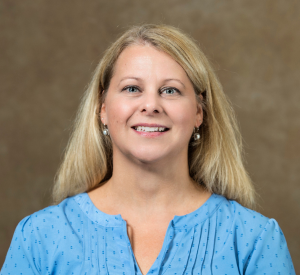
point(150, 108)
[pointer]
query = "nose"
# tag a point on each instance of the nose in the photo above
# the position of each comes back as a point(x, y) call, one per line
point(151, 103)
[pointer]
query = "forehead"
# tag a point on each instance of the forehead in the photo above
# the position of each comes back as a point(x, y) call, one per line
point(143, 60)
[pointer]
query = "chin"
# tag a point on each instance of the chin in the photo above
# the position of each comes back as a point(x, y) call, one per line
point(148, 156)
point(147, 159)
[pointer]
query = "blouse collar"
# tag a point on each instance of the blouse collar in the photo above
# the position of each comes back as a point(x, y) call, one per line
point(181, 222)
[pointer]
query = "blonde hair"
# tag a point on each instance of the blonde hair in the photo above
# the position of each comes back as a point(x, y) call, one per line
point(215, 162)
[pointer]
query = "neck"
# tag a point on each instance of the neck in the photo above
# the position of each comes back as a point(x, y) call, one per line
point(150, 188)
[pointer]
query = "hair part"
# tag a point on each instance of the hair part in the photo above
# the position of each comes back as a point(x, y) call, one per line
point(216, 162)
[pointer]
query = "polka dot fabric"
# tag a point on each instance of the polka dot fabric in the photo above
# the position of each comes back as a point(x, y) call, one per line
point(221, 238)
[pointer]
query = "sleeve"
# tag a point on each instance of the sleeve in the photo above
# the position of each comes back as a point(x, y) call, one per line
point(23, 256)
point(270, 254)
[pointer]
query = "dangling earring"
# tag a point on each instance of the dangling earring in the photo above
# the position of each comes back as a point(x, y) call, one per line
point(105, 131)
point(196, 134)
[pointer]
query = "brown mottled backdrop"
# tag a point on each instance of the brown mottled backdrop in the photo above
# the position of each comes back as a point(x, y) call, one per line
point(48, 50)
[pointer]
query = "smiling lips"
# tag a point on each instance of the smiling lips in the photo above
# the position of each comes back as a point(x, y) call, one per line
point(150, 130)
point(145, 127)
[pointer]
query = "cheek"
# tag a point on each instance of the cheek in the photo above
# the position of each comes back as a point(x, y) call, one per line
point(183, 114)
point(118, 112)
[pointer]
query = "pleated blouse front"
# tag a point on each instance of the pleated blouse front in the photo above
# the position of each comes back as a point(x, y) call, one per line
point(220, 237)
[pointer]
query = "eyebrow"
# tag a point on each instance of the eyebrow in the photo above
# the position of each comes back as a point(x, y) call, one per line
point(174, 79)
point(137, 78)
point(129, 77)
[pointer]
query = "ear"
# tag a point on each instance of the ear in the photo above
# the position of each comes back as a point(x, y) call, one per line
point(103, 114)
point(199, 114)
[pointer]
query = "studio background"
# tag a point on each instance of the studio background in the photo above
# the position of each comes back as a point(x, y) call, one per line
point(49, 49)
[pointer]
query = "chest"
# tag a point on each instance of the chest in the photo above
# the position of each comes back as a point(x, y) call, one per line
point(146, 245)
point(97, 250)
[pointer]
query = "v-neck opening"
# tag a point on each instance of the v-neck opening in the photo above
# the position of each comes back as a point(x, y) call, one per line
point(161, 255)
point(183, 225)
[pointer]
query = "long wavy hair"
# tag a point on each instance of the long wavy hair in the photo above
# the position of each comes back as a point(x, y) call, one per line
point(216, 162)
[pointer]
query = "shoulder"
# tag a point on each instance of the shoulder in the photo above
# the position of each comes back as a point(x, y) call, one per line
point(53, 219)
point(239, 226)
point(56, 213)
point(252, 223)
point(235, 217)
point(53, 226)
point(240, 217)
point(43, 238)
point(253, 237)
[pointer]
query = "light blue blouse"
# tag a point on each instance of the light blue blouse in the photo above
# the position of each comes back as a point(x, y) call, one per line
point(221, 237)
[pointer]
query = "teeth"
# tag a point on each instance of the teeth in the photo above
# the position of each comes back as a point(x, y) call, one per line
point(149, 129)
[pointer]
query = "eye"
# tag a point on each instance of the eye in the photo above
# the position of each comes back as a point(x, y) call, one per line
point(131, 89)
point(170, 91)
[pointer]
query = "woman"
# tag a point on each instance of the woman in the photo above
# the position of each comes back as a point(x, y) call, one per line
point(152, 181)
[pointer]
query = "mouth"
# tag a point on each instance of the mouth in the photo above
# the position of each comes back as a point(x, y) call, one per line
point(150, 129)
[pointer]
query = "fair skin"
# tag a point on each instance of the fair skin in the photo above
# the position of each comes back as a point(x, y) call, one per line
point(150, 182)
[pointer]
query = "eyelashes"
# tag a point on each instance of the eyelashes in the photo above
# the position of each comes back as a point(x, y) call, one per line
point(131, 89)
point(166, 90)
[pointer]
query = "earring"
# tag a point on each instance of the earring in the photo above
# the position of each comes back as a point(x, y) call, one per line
point(105, 131)
point(196, 134)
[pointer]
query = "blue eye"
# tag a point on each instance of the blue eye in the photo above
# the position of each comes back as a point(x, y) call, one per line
point(170, 91)
point(131, 89)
